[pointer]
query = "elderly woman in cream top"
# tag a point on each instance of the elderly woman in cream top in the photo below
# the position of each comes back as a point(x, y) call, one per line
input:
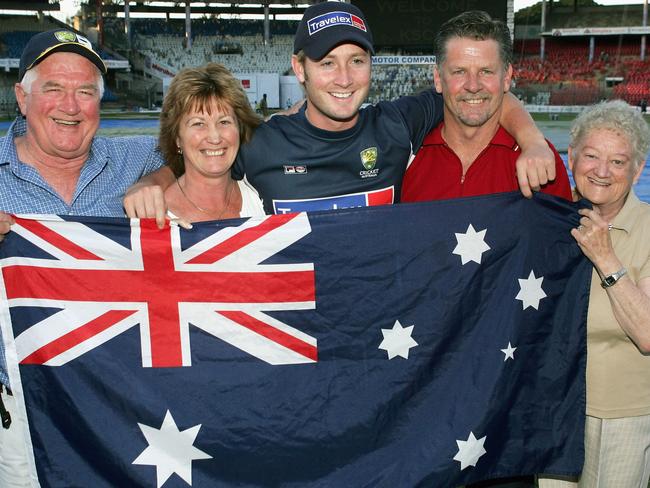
point(607, 153)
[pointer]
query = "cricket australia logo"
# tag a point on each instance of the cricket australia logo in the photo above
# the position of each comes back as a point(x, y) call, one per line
point(65, 36)
point(369, 160)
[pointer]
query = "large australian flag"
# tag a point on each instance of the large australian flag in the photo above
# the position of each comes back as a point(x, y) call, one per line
point(431, 345)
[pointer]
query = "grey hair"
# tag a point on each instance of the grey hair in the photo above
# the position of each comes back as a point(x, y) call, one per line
point(31, 76)
point(617, 116)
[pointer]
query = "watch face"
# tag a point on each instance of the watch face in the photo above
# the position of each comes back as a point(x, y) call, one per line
point(613, 278)
point(609, 280)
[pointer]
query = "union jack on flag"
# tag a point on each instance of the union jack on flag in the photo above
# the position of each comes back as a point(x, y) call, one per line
point(432, 344)
point(217, 284)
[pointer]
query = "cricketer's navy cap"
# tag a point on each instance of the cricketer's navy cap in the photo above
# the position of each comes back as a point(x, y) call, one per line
point(326, 25)
point(43, 44)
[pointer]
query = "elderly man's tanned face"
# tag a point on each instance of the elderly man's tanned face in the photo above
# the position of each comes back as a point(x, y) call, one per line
point(62, 107)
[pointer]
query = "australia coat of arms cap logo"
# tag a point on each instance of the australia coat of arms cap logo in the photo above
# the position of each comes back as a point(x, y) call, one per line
point(65, 36)
point(369, 157)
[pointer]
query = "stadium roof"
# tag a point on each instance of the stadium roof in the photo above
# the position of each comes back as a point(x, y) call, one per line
point(172, 6)
point(296, 7)
point(36, 5)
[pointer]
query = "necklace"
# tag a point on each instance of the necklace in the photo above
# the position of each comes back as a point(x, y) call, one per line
point(202, 210)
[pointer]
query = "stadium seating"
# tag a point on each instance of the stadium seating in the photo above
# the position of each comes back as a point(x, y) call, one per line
point(393, 81)
point(636, 84)
point(254, 56)
point(565, 76)
point(573, 80)
point(238, 44)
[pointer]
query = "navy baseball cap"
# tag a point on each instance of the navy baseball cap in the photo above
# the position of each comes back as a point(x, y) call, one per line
point(326, 25)
point(43, 44)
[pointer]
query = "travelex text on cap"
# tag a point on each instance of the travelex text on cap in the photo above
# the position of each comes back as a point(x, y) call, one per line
point(326, 25)
point(43, 44)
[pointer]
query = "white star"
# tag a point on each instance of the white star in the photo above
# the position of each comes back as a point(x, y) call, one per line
point(397, 341)
point(530, 292)
point(469, 451)
point(170, 450)
point(509, 352)
point(471, 245)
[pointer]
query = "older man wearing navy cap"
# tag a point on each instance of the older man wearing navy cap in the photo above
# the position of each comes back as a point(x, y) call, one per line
point(332, 153)
point(52, 162)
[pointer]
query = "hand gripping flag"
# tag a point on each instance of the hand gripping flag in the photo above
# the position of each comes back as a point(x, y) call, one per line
point(432, 344)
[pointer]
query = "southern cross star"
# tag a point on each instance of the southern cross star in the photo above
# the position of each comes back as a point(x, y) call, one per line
point(397, 341)
point(469, 451)
point(471, 245)
point(531, 292)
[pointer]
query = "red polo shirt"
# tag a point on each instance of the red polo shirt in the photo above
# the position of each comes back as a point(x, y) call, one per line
point(436, 173)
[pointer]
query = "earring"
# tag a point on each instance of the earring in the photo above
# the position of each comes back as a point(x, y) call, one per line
point(180, 151)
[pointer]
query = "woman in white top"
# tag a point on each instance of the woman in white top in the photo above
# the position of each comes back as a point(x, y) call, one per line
point(205, 117)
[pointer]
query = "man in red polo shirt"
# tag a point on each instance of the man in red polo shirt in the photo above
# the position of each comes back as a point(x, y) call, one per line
point(470, 153)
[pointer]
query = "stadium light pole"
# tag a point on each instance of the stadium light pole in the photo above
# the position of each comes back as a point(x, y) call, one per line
point(188, 25)
point(100, 23)
point(542, 28)
point(127, 25)
point(645, 24)
point(267, 24)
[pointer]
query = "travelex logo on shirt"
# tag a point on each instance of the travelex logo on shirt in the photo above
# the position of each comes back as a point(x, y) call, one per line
point(335, 18)
point(385, 196)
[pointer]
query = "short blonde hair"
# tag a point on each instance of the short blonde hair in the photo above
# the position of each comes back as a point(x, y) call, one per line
point(196, 88)
point(617, 116)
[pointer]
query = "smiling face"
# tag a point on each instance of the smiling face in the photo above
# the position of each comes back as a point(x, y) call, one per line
point(62, 106)
point(209, 140)
point(335, 86)
point(603, 169)
point(472, 81)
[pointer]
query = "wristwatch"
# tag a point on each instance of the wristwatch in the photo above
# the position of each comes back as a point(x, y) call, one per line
point(610, 280)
